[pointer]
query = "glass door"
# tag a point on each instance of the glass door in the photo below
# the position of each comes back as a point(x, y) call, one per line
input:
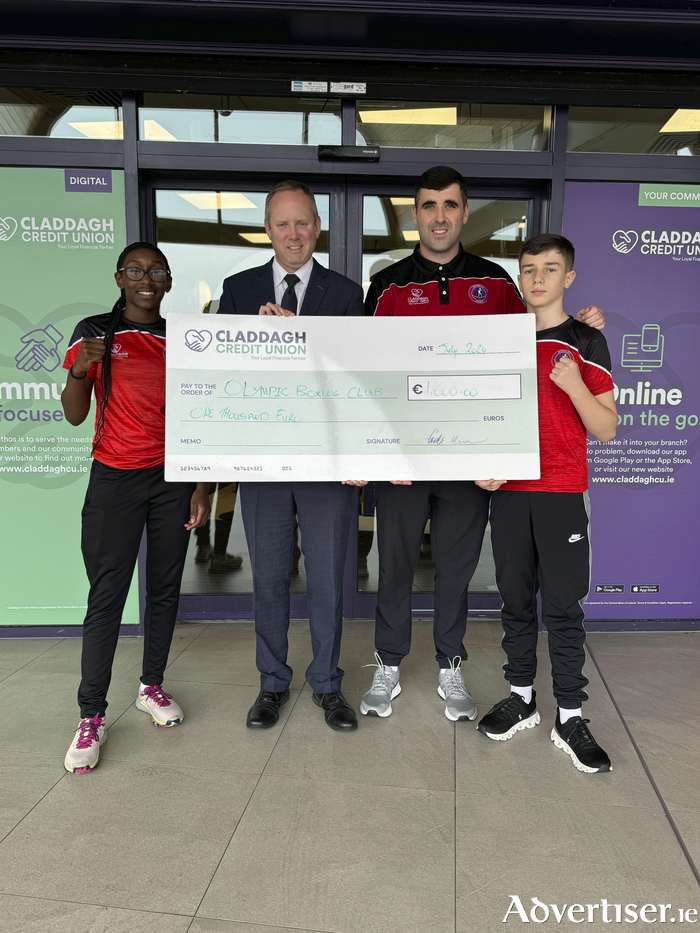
point(499, 222)
point(210, 231)
point(209, 234)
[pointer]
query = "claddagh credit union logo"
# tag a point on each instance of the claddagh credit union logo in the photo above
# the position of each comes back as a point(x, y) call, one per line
point(198, 340)
point(624, 241)
point(8, 228)
point(417, 297)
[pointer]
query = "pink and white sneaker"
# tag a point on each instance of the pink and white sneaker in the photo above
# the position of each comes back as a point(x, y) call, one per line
point(163, 709)
point(84, 751)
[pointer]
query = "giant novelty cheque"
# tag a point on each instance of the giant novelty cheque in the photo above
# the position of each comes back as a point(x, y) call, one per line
point(267, 399)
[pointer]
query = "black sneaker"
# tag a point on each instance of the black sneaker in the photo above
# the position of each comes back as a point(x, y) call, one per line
point(575, 738)
point(510, 716)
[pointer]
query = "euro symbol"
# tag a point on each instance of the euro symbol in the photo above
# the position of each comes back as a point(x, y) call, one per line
point(418, 389)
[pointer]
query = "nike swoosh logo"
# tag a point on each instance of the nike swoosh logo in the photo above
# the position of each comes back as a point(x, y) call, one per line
point(575, 538)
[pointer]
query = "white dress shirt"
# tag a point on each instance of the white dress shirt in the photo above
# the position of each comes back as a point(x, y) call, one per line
point(278, 274)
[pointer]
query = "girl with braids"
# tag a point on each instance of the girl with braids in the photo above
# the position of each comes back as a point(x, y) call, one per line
point(122, 355)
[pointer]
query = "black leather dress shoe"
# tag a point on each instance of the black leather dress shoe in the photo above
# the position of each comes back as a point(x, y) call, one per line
point(265, 712)
point(338, 712)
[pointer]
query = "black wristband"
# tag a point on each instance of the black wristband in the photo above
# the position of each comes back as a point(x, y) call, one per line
point(80, 378)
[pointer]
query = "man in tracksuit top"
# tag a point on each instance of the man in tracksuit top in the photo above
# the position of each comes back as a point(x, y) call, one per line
point(439, 278)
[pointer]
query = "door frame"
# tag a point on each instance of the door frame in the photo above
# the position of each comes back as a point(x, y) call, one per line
point(178, 181)
point(361, 605)
point(344, 256)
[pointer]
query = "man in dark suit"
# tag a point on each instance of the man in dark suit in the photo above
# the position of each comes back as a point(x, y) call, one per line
point(293, 283)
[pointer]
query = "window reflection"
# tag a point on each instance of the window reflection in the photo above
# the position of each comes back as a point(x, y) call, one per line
point(496, 229)
point(423, 125)
point(218, 118)
point(483, 581)
point(209, 235)
point(217, 557)
point(60, 114)
point(629, 130)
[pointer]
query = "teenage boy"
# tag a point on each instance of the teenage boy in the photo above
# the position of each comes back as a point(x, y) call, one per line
point(438, 278)
point(539, 528)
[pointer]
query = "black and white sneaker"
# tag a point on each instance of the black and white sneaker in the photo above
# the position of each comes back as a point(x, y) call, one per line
point(575, 738)
point(508, 717)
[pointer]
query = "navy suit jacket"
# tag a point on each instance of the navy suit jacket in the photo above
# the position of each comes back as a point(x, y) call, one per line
point(327, 292)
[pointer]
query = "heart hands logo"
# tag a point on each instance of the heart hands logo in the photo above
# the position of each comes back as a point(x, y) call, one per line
point(198, 340)
point(8, 228)
point(624, 241)
point(40, 350)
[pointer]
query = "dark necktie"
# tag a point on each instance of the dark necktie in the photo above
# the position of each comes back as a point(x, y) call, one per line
point(289, 299)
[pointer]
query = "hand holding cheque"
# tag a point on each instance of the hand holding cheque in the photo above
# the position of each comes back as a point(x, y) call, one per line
point(326, 399)
point(274, 310)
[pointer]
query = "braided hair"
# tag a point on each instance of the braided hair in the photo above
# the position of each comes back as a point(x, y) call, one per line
point(115, 319)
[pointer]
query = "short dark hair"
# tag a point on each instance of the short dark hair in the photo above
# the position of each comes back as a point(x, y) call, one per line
point(544, 242)
point(290, 185)
point(439, 178)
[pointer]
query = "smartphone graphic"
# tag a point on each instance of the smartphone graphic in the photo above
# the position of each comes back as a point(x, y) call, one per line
point(643, 352)
point(651, 337)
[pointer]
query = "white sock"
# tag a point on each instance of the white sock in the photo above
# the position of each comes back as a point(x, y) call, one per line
point(524, 692)
point(566, 714)
point(394, 670)
point(142, 687)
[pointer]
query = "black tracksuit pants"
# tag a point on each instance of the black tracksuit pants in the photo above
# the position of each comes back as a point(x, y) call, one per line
point(458, 513)
point(118, 505)
point(541, 542)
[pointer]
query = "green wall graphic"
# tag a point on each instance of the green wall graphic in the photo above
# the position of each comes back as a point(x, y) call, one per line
point(61, 232)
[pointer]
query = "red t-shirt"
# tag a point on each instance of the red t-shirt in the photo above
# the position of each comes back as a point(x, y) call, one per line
point(563, 462)
point(134, 429)
point(468, 284)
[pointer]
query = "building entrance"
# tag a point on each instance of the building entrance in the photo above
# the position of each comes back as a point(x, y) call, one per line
point(210, 231)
